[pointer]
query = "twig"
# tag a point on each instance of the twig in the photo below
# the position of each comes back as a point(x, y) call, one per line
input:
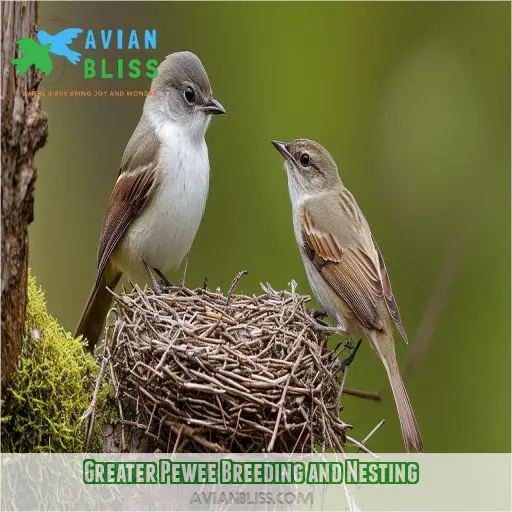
point(281, 402)
point(234, 283)
point(367, 438)
point(90, 413)
point(361, 446)
point(370, 395)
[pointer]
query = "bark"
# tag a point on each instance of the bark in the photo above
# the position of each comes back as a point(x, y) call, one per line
point(24, 130)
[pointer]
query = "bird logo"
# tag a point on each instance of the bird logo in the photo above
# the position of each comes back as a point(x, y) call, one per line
point(38, 53)
point(35, 54)
point(59, 43)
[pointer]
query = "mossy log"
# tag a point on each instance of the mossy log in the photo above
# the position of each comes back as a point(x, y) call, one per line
point(51, 389)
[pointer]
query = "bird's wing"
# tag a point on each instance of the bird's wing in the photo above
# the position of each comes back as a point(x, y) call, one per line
point(28, 46)
point(338, 241)
point(135, 184)
point(388, 294)
point(66, 36)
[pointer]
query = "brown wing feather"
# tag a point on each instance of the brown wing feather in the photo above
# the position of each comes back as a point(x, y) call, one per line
point(127, 200)
point(358, 291)
point(388, 294)
point(323, 244)
point(350, 271)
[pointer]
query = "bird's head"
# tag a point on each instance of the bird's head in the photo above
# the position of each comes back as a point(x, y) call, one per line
point(183, 93)
point(310, 167)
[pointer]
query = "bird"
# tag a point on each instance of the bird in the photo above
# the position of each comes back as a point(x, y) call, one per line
point(160, 194)
point(33, 54)
point(344, 265)
point(59, 43)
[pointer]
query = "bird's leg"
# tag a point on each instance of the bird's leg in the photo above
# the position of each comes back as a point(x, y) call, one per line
point(343, 344)
point(317, 313)
point(338, 329)
point(337, 351)
point(163, 277)
point(327, 329)
point(154, 282)
point(346, 362)
point(184, 275)
point(340, 347)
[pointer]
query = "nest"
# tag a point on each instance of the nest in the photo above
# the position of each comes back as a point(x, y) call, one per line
point(200, 371)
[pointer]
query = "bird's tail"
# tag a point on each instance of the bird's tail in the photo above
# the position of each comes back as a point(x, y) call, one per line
point(93, 317)
point(22, 64)
point(73, 57)
point(385, 347)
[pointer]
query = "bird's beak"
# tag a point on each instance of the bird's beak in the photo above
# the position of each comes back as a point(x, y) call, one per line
point(214, 108)
point(281, 147)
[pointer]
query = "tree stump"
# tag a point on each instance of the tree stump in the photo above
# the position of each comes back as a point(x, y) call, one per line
point(24, 131)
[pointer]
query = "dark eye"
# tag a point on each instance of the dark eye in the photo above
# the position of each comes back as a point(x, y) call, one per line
point(190, 95)
point(304, 159)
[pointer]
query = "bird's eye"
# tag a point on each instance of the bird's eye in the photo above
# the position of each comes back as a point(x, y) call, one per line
point(190, 95)
point(304, 159)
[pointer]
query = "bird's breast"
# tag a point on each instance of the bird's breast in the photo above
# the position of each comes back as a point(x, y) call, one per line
point(164, 232)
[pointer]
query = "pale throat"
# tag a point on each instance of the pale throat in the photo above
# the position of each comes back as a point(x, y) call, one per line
point(191, 127)
point(297, 193)
point(184, 147)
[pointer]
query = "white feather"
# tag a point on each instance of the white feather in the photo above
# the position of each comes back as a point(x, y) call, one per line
point(164, 232)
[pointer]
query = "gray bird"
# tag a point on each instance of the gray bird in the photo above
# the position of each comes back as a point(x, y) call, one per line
point(160, 194)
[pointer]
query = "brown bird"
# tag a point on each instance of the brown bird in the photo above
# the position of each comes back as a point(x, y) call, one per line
point(344, 265)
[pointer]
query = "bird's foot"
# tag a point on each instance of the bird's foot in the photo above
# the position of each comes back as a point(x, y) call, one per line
point(317, 313)
point(156, 287)
point(346, 362)
point(154, 283)
point(163, 277)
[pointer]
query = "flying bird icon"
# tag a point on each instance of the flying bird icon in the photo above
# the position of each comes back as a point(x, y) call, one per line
point(59, 43)
point(33, 53)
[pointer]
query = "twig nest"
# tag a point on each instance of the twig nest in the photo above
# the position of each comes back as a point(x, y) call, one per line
point(197, 371)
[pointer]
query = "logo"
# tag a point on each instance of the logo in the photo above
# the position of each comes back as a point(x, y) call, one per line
point(38, 53)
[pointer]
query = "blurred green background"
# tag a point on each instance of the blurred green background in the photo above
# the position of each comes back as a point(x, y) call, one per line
point(412, 100)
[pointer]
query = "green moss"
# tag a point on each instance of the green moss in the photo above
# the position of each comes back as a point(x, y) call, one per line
point(52, 387)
